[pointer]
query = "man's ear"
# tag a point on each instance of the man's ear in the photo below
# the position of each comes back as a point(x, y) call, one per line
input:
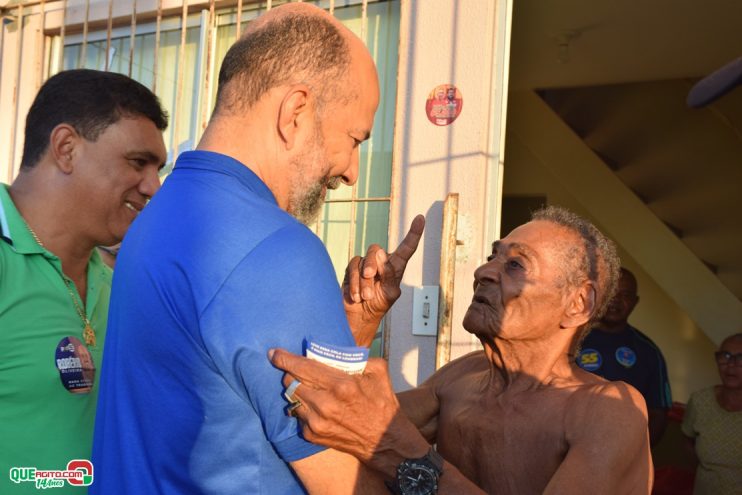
point(63, 143)
point(580, 307)
point(634, 303)
point(293, 113)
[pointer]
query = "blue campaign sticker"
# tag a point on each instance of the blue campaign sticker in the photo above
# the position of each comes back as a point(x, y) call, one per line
point(626, 356)
point(590, 360)
point(75, 365)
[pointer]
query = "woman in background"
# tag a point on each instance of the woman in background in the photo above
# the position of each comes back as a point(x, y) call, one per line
point(713, 424)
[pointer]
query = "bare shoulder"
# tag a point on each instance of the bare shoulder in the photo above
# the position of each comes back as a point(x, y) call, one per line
point(605, 428)
point(614, 395)
point(450, 384)
point(459, 369)
point(599, 406)
point(448, 378)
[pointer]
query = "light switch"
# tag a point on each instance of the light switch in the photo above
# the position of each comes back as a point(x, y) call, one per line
point(425, 310)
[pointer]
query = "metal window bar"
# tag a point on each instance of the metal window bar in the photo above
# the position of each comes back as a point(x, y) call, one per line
point(158, 24)
point(206, 100)
point(84, 48)
point(108, 34)
point(207, 82)
point(354, 191)
point(179, 83)
point(354, 199)
point(16, 92)
point(132, 36)
point(379, 199)
point(61, 34)
point(239, 19)
point(40, 45)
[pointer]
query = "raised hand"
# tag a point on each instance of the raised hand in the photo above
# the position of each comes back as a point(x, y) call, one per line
point(372, 283)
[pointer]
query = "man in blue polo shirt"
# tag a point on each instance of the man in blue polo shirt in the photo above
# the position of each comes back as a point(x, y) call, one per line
point(617, 351)
point(219, 269)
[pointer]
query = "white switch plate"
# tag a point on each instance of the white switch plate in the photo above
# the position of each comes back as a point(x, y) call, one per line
point(425, 310)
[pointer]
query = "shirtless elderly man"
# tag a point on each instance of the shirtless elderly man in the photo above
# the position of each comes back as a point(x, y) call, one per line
point(518, 417)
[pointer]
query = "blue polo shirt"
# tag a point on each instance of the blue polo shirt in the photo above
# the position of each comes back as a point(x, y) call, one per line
point(631, 357)
point(211, 275)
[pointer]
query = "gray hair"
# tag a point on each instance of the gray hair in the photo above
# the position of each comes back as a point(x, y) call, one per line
point(294, 48)
point(595, 260)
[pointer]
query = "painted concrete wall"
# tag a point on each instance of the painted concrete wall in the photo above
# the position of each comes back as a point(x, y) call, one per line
point(442, 42)
point(687, 349)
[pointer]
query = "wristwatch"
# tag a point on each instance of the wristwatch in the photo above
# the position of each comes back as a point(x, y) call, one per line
point(419, 476)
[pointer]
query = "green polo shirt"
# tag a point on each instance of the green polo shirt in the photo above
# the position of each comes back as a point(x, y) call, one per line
point(43, 424)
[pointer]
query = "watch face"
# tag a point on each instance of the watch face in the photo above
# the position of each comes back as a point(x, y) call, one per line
point(417, 479)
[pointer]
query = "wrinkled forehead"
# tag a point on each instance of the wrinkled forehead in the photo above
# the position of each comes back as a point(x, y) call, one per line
point(541, 235)
point(539, 239)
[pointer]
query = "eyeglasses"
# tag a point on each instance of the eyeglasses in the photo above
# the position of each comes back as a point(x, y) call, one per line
point(724, 357)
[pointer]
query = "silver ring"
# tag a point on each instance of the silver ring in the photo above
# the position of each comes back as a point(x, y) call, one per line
point(290, 390)
point(293, 407)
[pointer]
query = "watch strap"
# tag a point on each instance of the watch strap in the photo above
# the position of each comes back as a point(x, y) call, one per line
point(393, 486)
point(435, 459)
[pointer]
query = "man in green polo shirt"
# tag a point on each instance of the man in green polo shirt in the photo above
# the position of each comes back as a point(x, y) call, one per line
point(93, 148)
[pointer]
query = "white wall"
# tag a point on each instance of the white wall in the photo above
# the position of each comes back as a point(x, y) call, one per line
point(443, 42)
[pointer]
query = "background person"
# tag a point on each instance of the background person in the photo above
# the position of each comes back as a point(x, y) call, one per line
point(93, 148)
point(616, 350)
point(713, 425)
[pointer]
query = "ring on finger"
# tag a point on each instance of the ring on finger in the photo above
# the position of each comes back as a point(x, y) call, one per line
point(293, 407)
point(291, 390)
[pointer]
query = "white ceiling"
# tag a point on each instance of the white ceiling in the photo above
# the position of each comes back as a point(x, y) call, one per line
point(621, 40)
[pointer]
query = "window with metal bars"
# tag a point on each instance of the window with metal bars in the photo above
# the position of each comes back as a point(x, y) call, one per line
point(179, 57)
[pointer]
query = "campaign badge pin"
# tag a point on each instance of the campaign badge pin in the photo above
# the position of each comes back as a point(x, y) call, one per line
point(590, 360)
point(75, 365)
point(626, 356)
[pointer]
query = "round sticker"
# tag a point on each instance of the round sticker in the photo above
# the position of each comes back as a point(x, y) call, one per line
point(444, 104)
point(590, 360)
point(626, 356)
point(75, 365)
